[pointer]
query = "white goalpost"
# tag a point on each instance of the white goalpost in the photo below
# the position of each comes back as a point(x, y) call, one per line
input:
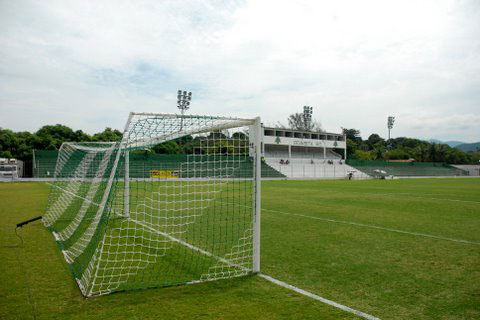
point(171, 203)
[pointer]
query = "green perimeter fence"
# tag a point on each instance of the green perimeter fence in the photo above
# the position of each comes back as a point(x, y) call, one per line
point(142, 165)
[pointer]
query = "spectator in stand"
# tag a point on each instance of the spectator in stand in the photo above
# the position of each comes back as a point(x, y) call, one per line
point(281, 161)
point(287, 162)
point(311, 162)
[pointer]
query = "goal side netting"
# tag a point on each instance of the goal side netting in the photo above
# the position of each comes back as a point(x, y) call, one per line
point(176, 201)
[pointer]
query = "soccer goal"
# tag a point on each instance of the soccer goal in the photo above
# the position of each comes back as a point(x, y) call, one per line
point(176, 201)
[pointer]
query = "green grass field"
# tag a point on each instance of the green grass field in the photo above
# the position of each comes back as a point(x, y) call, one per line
point(395, 249)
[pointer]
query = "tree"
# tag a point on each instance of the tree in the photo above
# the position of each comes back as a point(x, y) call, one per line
point(432, 152)
point(421, 152)
point(442, 152)
point(8, 143)
point(379, 150)
point(52, 136)
point(239, 136)
point(397, 154)
point(108, 135)
point(81, 136)
point(296, 121)
point(169, 147)
point(374, 139)
point(352, 134)
point(217, 135)
point(364, 155)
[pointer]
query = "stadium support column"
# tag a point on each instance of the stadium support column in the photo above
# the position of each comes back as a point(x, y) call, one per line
point(345, 153)
point(324, 152)
point(257, 180)
point(289, 151)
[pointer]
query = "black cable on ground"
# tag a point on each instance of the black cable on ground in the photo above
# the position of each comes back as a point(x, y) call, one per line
point(21, 266)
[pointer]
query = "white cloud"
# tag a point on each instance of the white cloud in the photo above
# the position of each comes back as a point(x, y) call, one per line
point(87, 64)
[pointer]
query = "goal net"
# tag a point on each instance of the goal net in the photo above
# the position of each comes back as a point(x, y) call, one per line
point(176, 201)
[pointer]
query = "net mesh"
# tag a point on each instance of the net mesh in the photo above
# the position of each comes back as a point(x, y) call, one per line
point(125, 219)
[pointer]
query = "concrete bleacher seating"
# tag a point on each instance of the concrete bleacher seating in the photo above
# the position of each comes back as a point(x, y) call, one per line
point(303, 155)
point(319, 169)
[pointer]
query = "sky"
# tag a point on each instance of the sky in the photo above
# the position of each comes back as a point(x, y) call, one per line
point(87, 64)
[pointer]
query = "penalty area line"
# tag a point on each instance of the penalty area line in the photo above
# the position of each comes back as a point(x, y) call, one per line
point(318, 298)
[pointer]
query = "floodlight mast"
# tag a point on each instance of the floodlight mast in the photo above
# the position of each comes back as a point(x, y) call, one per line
point(183, 103)
point(307, 117)
point(390, 122)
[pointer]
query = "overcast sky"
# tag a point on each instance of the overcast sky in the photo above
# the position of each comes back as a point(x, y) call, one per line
point(86, 64)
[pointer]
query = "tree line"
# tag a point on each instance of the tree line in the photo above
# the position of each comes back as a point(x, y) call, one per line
point(377, 148)
point(20, 145)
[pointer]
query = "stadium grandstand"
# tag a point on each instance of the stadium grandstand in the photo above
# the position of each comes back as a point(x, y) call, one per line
point(309, 155)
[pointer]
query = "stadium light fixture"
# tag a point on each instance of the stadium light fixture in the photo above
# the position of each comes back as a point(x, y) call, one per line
point(390, 122)
point(183, 103)
point(307, 117)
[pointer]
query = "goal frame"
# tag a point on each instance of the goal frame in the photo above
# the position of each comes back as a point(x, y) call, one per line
point(123, 153)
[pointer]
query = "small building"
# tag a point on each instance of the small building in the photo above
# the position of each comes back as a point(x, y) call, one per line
point(11, 168)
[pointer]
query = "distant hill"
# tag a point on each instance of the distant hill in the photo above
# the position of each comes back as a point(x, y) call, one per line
point(466, 147)
point(452, 144)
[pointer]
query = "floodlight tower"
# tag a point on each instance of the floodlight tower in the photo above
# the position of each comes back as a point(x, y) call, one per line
point(183, 103)
point(390, 122)
point(307, 116)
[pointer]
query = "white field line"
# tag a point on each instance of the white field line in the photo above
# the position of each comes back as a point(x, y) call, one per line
point(73, 194)
point(412, 195)
point(314, 296)
point(376, 227)
point(186, 244)
point(263, 276)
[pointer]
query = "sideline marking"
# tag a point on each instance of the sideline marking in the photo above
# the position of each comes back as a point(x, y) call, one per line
point(321, 299)
point(377, 227)
point(261, 275)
